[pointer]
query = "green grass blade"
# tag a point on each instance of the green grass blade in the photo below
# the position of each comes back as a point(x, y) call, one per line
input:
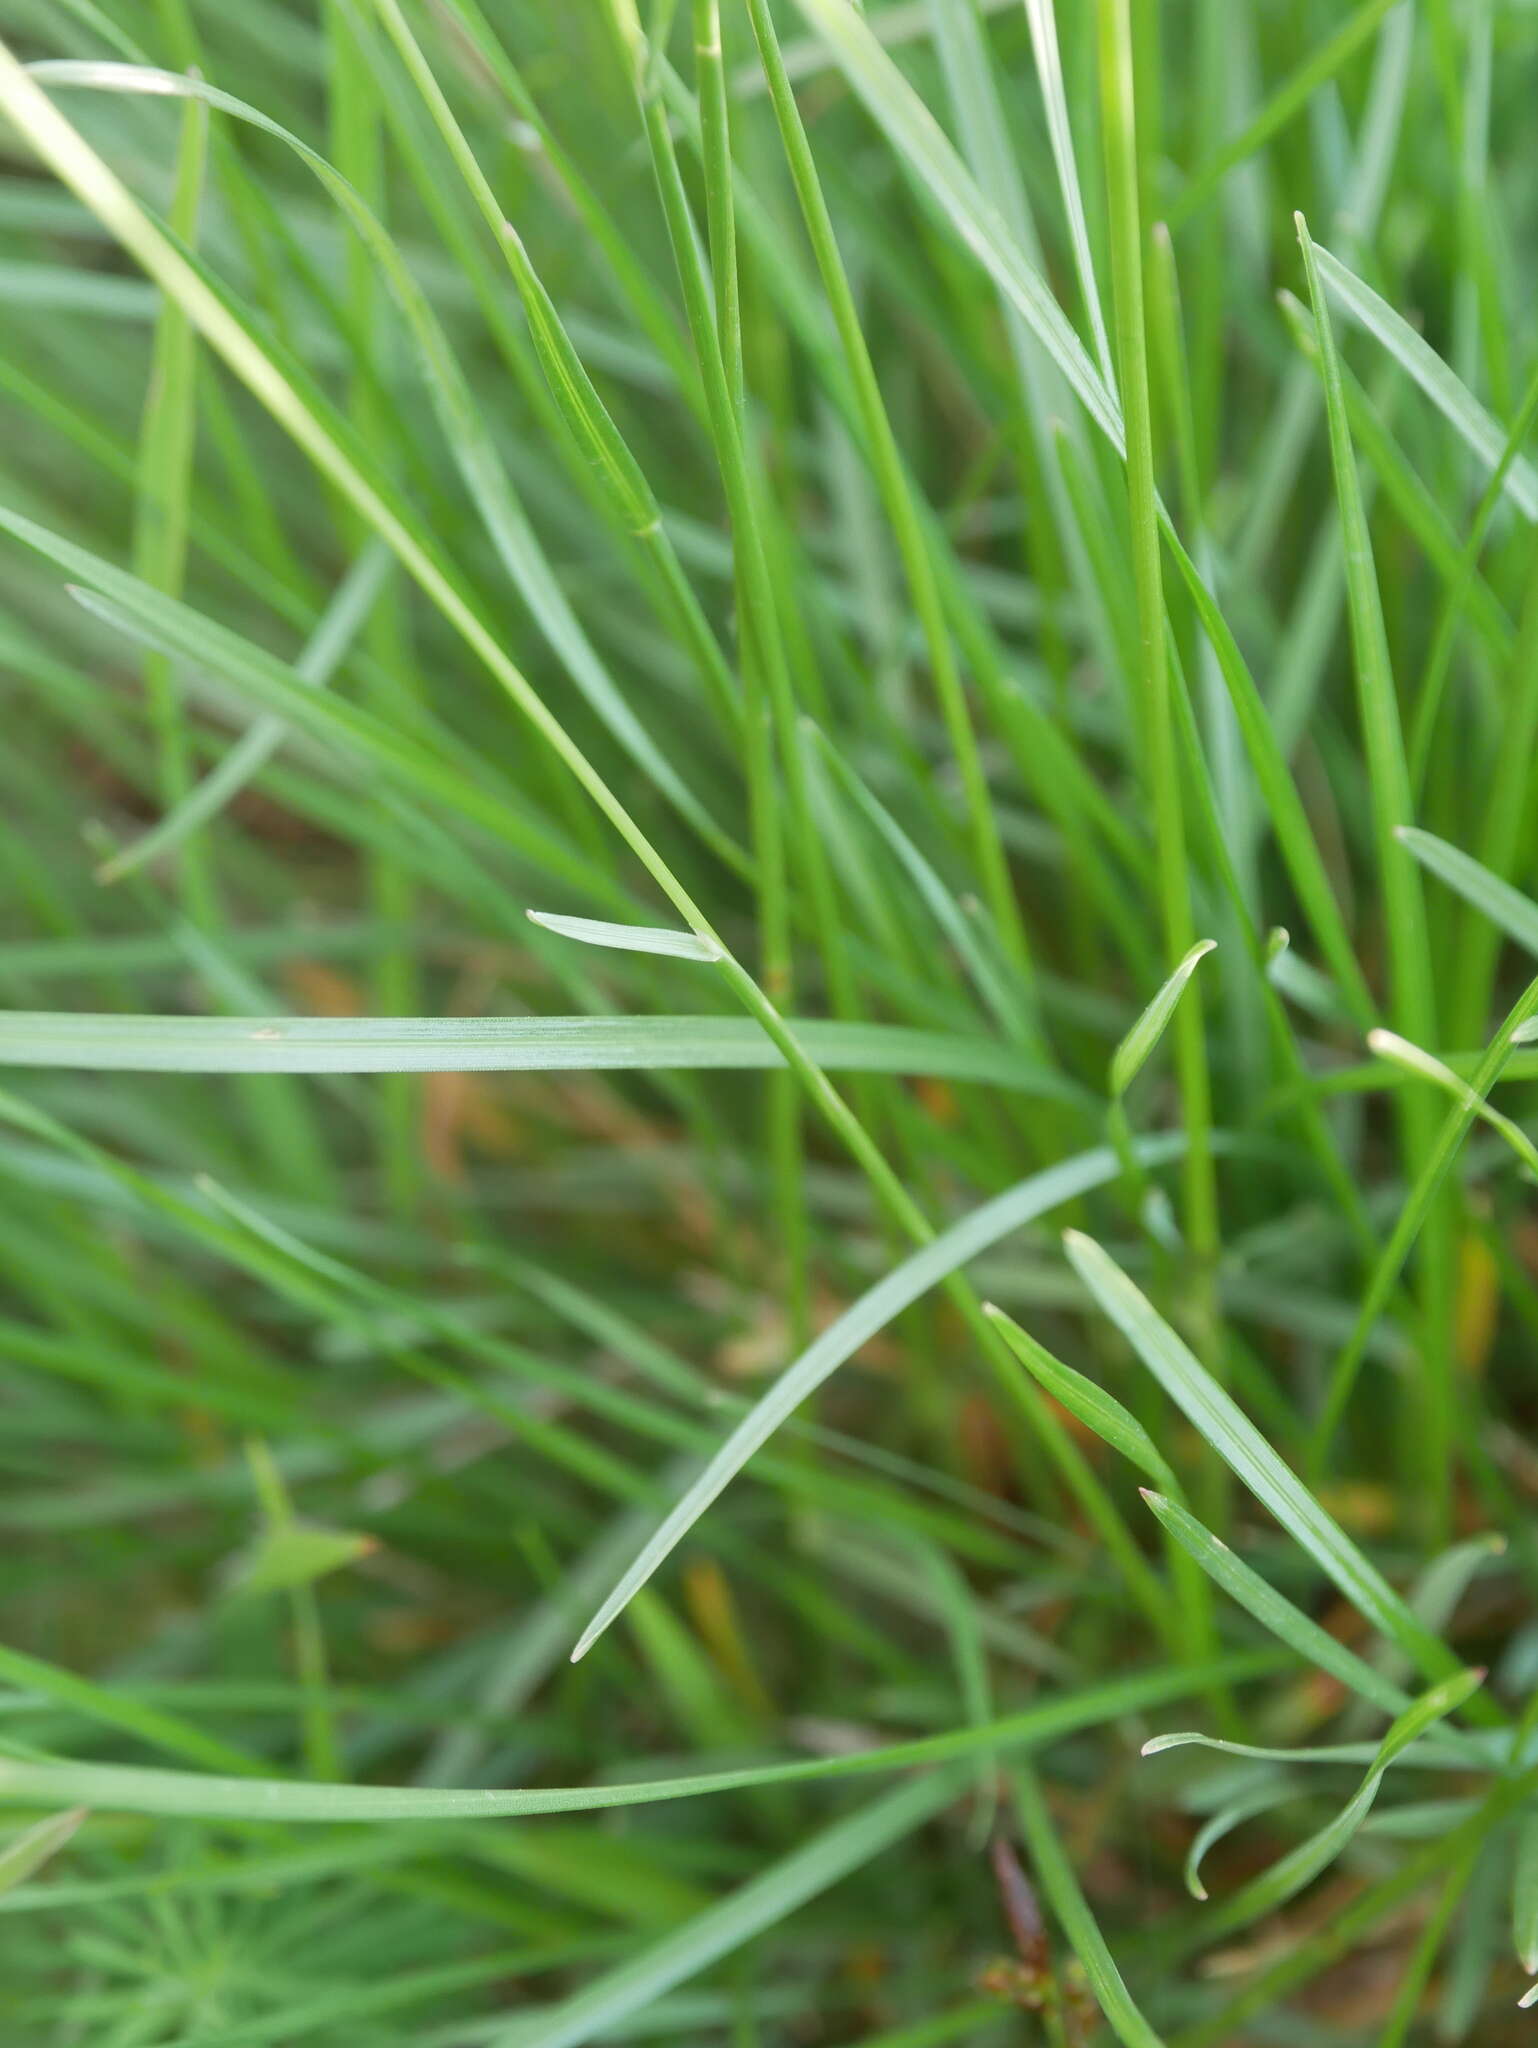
point(900, 1288)
point(1413, 1059)
point(1091, 1404)
point(1242, 1447)
point(1273, 1610)
point(1301, 1865)
point(1055, 1873)
point(118, 1788)
point(1508, 908)
point(629, 938)
point(1524, 1896)
point(1128, 1059)
point(1447, 392)
point(370, 1045)
point(35, 1846)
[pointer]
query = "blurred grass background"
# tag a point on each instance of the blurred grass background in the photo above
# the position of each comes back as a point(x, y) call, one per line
point(892, 508)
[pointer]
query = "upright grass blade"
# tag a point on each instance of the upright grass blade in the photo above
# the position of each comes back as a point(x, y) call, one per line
point(1284, 105)
point(166, 454)
point(893, 486)
point(1155, 722)
point(1055, 1873)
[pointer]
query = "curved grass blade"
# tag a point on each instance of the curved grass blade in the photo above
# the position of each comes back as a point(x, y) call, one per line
point(1218, 1826)
point(1388, 1045)
point(901, 1287)
point(121, 1788)
point(1301, 1865)
point(1242, 1447)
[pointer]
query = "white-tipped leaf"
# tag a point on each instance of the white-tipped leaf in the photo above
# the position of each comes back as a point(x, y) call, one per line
point(630, 938)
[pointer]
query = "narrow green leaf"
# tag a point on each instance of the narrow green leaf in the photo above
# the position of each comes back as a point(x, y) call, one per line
point(1129, 1056)
point(1388, 1045)
point(1524, 1895)
point(1447, 392)
point(1516, 914)
point(296, 1555)
point(1242, 1447)
point(900, 1288)
point(1093, 1406)
point(29, 1851)
point(1272, 1609)
point(120, 1788)
point(373, 1045)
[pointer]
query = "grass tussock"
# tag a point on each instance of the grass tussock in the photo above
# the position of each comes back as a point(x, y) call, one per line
point(768, 834)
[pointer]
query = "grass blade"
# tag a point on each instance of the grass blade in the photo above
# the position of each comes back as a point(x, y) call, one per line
point(1128, 1059)
point(1241, 1446)
point(1514, 913)
point(900, 1288)
point(630, 938)
point(30, 1850)
point(1447, 392)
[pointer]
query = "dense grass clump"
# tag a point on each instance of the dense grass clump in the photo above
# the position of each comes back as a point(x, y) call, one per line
point(768, 832)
